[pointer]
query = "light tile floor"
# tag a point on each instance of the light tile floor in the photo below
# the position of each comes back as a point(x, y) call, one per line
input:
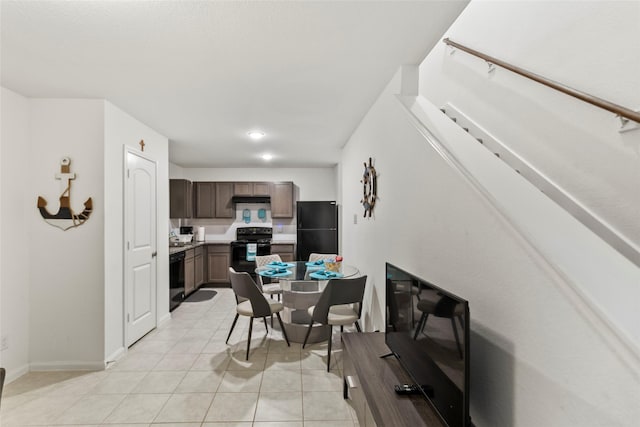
point(183, 374)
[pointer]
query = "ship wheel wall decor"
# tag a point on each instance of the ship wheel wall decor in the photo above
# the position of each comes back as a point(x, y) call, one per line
point(368, 188)
point(65, 218)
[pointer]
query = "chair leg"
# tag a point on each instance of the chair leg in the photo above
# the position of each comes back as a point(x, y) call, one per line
point(341, 328)
point(265, 324)
point(249, 339)
point(233, 325)
point(358, 327)
point(426, 317)
point(306, 337)
point(284, 331)
point(329, 351)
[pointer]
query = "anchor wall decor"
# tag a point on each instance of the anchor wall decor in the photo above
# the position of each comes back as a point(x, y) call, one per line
point(65, 218)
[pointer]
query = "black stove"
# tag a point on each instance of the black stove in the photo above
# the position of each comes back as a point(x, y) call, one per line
point(250, 242)
point(254, 234)
point(241, 241)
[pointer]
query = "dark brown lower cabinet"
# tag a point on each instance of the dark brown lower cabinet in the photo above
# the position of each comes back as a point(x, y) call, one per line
point(189, 272)
point(198, 264)
point(218, 263)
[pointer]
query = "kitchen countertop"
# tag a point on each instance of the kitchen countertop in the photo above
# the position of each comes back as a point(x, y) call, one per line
point(176, 249)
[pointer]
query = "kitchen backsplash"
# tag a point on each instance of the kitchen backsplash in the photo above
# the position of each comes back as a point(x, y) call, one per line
point(225, 229)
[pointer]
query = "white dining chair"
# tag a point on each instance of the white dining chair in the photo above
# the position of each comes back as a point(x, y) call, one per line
point(313, 257)
point(273, 287)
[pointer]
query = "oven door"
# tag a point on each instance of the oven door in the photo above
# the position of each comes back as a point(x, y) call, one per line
point(176, 280)
point(239, 256)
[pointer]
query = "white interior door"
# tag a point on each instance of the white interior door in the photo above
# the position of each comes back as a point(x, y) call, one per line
point(140, 247)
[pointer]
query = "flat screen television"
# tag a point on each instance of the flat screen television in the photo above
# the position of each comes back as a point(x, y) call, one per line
point(427, 329)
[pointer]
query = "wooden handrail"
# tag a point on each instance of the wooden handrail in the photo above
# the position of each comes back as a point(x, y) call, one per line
point(593, 100)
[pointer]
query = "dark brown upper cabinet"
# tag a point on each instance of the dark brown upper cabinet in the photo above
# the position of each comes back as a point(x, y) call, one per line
point(282, 199)
point(251, 189)
point(180, 198)
point(205, 199)
point(224, 205)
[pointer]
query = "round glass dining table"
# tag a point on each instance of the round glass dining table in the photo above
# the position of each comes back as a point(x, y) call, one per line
point(302, 284)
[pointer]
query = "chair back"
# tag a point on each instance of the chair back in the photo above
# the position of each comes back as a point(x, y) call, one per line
point(244, 287)
point(262, 260)
point(316, 257)
point(337, 292)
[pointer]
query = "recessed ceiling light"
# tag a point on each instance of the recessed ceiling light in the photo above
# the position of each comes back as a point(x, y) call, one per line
point(267, 157)
point(256, 135)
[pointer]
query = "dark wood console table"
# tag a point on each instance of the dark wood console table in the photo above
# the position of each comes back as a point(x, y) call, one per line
point(368, 384)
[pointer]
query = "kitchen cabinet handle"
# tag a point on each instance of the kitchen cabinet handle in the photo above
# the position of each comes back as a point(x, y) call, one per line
point(154, 254)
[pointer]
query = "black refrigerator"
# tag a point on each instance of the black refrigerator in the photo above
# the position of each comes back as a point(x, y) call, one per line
point(317, 229)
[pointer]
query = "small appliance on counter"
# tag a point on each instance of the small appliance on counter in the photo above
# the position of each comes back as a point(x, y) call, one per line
point(200, 237)
point(181, 236)
point(186, 234)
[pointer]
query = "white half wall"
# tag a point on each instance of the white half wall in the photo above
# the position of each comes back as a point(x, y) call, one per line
point(16, 204)
point(66, 267)
point(122, 130)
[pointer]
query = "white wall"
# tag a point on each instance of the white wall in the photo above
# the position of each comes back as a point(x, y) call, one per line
point(584, 45)
point(175, 171)
point(16, 205)
point(56, 284)
point(539, 355)
point(123, 130)
point(66, 267)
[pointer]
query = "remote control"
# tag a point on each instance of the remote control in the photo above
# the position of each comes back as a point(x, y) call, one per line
point(406, 389)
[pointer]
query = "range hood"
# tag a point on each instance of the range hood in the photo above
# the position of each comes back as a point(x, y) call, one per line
point(251, 199)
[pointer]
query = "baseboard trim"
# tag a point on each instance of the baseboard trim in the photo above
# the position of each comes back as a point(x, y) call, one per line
point(115, 355)
point(14, 374)
point(164, 319)
point(68, 366)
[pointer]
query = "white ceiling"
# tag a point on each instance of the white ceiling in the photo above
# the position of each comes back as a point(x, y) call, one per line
point(204, 73)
